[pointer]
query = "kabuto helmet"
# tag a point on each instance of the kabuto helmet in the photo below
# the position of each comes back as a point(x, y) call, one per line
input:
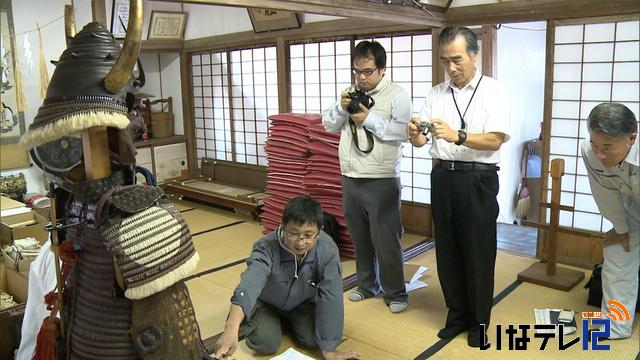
point(86, 91)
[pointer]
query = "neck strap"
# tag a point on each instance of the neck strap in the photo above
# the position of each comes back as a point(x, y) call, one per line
point(465, 110)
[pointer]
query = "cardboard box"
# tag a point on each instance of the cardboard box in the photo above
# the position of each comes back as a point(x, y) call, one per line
point(21, 266)
point(8, 203)
point(44, 212)
point(17, 285)
point(10, 316)
point(21, 226)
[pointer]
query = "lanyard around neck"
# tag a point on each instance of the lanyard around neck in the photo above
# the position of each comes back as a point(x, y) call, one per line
point(465, 110)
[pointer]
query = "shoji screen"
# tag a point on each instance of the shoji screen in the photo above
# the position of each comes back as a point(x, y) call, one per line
point(319, 71)
point(593, 62)
point(254, 94)
point(211, 106)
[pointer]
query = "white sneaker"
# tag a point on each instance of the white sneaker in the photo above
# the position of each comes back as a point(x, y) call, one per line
point(356, 296)
point(397, 306)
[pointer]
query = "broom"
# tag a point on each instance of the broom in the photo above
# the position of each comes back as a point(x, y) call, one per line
point(524, 200)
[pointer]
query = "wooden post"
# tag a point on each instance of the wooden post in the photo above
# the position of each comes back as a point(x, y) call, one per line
point(550, 275)
point(557, 170)
point(55, 245)
point(95, 148)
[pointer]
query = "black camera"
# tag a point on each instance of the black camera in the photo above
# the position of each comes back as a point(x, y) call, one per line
point(425, 127)
point(358, 96)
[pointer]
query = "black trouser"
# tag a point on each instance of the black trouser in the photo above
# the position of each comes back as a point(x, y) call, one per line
point(465, 210)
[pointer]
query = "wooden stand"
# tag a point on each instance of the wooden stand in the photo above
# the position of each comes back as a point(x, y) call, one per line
point(549, 274)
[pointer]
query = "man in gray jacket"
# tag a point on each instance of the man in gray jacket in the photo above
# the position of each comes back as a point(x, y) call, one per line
point(293, 274)
point(370, 153)
point(611, 159)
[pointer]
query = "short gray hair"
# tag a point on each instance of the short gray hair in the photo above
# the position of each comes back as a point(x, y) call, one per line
point(612, 119)
point(449, 34)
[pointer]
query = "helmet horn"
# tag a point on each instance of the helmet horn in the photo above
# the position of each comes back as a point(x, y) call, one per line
point(120, 73)
point(69, 23)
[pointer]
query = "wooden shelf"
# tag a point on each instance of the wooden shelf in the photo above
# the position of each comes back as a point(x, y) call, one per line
point(161, 141)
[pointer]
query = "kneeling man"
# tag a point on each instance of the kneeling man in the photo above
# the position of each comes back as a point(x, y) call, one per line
point(293, 274)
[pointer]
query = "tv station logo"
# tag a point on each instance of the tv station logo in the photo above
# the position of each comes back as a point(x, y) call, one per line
point(519, 336)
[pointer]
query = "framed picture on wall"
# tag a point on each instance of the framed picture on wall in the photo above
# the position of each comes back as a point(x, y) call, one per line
point(119, 18)
point(269, 19)
point(167, 25)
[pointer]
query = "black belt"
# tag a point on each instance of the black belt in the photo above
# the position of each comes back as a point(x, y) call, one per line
point(466, 166)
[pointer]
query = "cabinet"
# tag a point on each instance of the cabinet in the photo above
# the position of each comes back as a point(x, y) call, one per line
point(166, 158)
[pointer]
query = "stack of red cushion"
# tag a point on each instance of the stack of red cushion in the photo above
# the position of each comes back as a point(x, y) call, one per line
point(303, 160)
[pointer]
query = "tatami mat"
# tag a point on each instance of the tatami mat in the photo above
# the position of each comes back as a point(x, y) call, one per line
point(200, 220)
point(406, 335)
point(244, 353)
point(517, 308)
point(182, 205)
point(366, 351)
point(211, 304)
point(409, 333)
point(390, 336)
point(226, 245)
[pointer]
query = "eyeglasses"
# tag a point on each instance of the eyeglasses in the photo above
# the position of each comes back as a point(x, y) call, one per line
point(367, 72)
point(304, 237)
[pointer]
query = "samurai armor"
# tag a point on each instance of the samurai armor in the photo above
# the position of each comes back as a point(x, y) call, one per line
point(99, 317)
point(149, 239)
point(164, 325)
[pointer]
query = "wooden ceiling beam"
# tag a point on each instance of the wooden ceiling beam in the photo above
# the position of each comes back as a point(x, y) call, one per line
point(312, 31)
point(345, 8)
point(537, 10)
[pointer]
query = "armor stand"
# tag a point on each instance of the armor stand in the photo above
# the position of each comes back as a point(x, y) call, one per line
point(549, 274)
point(95, 148)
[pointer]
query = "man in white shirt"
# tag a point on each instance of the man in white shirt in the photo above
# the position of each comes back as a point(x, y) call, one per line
point(370, 153)
point(470, 120)
point(611, 159)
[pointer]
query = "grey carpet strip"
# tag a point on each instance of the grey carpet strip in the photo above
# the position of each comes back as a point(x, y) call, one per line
point(212, 270)
point(443, 342)
point(217, 228)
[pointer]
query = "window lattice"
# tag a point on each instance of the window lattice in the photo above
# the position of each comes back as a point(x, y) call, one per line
point(593, 63)
point(211, 106)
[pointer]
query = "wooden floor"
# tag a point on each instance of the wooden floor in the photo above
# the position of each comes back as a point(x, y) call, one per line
point(517, 239)
point(224, 240)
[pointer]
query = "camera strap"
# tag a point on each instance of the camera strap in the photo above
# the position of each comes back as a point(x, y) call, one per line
point(354, 133)
point(470, 100)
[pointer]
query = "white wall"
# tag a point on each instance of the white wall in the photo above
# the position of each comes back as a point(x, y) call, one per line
point(209, 20)
point(27, 15)
point(202, 21)
point(163, 80)
point(521, 69)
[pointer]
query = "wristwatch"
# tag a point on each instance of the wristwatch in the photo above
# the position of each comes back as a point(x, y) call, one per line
point(462, 137)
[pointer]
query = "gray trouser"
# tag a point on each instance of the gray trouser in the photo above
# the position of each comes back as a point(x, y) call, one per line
point(264, 331)
point(620, 272)
point(372, 211)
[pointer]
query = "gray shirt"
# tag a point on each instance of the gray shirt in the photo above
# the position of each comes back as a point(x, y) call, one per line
point(613, 188)
point(274, 276)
